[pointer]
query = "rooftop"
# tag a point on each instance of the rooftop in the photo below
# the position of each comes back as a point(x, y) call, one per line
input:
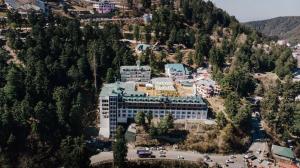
point(128, 90)
point(283, 151)
point(135, 67)
point(113, 89)
point(26, 4)
point(142, 47)
point(206, 82)
point(165, 88)
point(162, 81)
point(176, 68)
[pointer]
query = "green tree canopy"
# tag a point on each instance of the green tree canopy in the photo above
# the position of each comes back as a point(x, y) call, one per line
point(120, 148)
point(140, 118)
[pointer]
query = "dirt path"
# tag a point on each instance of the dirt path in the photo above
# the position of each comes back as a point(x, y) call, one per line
point(13, 54)
point(216, 103)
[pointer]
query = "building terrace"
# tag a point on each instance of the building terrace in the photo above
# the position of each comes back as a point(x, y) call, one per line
point(121, 101)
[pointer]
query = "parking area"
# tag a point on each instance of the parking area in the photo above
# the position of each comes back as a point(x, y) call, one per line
point(233, 161)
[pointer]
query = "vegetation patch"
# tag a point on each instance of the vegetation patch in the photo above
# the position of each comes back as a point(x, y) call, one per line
point(149, 163)
point(212, 139)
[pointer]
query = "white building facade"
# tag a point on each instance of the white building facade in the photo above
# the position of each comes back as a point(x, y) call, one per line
point(176, 71)
point(135, 73)
point(119, 102)
point(206, 88)
point(104, 6)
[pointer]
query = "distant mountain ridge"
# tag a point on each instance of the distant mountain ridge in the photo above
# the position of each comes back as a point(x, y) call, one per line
point(283, 27)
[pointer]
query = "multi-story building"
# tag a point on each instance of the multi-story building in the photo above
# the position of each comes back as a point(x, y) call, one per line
point(120, 102)
point(206, 88)
point(104, 6)
point(135, 73)
point(176, 71)
point(24, 7)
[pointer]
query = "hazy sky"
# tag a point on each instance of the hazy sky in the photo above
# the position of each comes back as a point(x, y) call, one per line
point(250, 10)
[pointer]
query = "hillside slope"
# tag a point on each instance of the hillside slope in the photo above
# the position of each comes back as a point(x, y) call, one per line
point(283, 27)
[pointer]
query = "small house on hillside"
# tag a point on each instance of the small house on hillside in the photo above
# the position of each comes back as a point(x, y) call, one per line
point(176, 71)
point(140, 48)
point(24, 7)
point(206, 88)
point(104, 6)
point(282, 154)
point(136, 73)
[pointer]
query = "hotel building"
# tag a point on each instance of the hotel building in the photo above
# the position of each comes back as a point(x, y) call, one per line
point(121, 101)
point(135, 73)
point(176, 71)
point(104, 6)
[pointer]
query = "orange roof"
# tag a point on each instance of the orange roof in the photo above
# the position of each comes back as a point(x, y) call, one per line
point(286, 165)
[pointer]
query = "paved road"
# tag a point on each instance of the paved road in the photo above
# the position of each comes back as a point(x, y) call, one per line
point(100, 19)
point(257, 135)
point(259, 142)
point(188, 155)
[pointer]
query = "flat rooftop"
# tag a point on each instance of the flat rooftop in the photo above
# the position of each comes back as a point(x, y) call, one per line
point(177, 68)
point(283, 151)
point(113, 89)
point(135, 67)
point(132, 91)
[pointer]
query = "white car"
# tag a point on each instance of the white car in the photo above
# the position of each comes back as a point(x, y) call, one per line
point(180, 157)
point(229, 161)
point(161, 148)
point(207, 160)
point(248, 156)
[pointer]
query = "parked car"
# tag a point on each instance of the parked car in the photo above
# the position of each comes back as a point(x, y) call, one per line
point(229, 161)
point(258, 151)
point(162, 155)
point(253, 157)
point(207, 160)
point(249, 155)
point(162, 152)
point(153, 148)
point(161, 148)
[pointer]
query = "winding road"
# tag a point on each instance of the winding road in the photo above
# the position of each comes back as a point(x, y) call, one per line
point(172, 154)
point(258, 137)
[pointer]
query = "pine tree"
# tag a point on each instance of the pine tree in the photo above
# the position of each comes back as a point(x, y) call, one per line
point(110, 77)
point(136, 32)
point(140, 118)
point(190, 60)
point(120, 148)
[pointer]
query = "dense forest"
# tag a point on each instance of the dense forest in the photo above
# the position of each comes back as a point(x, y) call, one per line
point(281, 112)
point(48, 99)
point(281, 27)
point(235, 53)
point(49, 96)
